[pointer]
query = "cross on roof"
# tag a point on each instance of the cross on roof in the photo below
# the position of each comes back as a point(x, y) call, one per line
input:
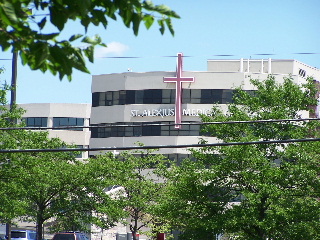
point(178, 80)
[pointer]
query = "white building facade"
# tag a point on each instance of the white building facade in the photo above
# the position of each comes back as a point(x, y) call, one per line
point(64, 115)
point(174, 97)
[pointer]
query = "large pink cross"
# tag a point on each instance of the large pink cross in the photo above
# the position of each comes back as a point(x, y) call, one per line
point(178, 80)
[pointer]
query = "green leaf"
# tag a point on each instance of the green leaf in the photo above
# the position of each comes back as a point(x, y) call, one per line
point(84, 5)
point(136, 19)
point(78, 61)
point(9, 11)
point(24, 57)
point(93, 41)
point(89, 53)
point(58, 18)
point(47, 37)
point(169, 25)
point(75, 37)
point(148, 21)
point(127, 17)
point(161, 24)
point(41, 54)
point(42, 23)
point(100, 17)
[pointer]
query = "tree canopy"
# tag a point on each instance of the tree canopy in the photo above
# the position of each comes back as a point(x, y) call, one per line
point(10, 206)
point(24, 28)
point(252, 191)
point(138, 187)
point(43, 186)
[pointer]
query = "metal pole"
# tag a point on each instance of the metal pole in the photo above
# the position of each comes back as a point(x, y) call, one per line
point(13, 99)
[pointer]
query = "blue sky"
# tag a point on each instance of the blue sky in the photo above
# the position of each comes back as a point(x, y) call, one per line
point(207, 28)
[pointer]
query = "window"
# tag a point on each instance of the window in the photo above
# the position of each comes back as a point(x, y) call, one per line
point(141, 130)
point(102, 99)
point(227, 96)
point(108, 97)
point(16, 234)
point(196, 95)
point(36, 121)
point(130, 97)
point(168, 96)
point(79, 155)
point(122, 97)
point(139, 97)
point(186, 96)
point(162, 96)
point(67, 122)
point(116, 97)
point(95, 99)
point(156, 96)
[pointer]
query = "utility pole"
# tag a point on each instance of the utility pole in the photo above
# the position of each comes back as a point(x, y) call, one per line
point(13, 101)
point(14, 80)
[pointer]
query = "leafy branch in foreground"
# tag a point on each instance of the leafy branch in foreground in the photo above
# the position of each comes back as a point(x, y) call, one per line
point(24, 24)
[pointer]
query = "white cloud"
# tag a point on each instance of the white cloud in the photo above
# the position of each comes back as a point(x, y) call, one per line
point(113, 48)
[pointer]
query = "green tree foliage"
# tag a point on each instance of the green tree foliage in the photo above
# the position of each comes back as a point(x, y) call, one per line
point(24, 27)
point(10, 206)
point(137, 186)
point(256, 191)
point(186, 203)
point(41, 186)
point(48, 180)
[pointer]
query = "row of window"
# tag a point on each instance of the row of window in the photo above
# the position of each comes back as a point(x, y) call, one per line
point(161, 96)
point(159, 129)
point(57, 122)
point(36, 121)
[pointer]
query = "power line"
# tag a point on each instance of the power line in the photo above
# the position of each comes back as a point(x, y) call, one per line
point(159, 146)
point(159, 124)
point(218, 55)
point(210, 55)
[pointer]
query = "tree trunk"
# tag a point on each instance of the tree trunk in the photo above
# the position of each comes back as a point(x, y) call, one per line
point(8, 231)
point(40, 222)
point(134, 228)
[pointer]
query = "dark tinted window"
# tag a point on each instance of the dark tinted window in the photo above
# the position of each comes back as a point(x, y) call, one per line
point(140, 130)
point(66, 122)
point(15, 234)
point(186, 96)
point(130, 97)
point(36, 121)
point(32, 235)
point(162, 96)
point(168, 96)
point(64, 236)
point(139, 96)
point(95, 99)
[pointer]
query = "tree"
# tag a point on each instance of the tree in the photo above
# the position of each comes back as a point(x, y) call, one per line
point(11, 205)
point(66, 189)
point(186, 204)
point(48, 180)
point(24, 28)
point(38, 186)
point(254, 191)
point(138, 185)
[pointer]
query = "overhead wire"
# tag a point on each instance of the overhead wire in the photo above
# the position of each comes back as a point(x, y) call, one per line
point(163, 146)
point(208, 56)
point(215, 55)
